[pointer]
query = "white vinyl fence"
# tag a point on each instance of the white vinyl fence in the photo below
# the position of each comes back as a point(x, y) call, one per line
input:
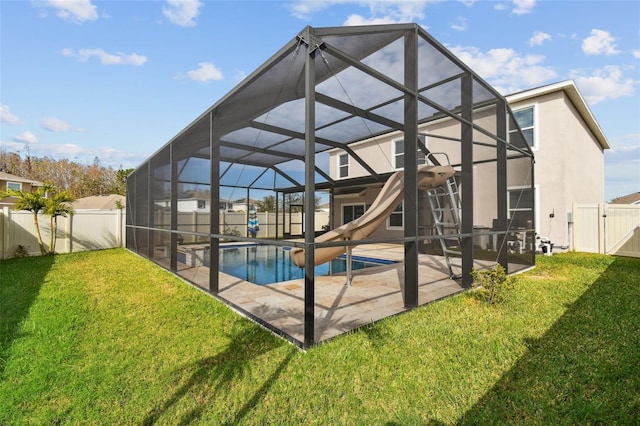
point(84, 230)
point(607, 228)
point(102, 229)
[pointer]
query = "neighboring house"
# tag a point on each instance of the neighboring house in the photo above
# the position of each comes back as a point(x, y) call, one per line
point(241, 204)
point(9, 181)
point(633, 198)
point(566, 140)
point(100, 202)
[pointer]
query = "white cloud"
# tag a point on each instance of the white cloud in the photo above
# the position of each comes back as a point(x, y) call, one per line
point(636, 54)
point(355, 20)
point(57, 125)
point(105, 58)
point(77, 11)
point(26, 137)
point(108, 156)
point(303, 9)
point(182, 12)
point(459, 24)
point(538, 38)
point(622, 166)
point(603, 84)
point(380, 12)
point(522, 7)
point(506, 70)
point(599, 43)
point(206, 71)
point(6, 116)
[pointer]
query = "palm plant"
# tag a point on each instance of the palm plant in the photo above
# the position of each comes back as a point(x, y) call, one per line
point(57, 205)
point(33, 202)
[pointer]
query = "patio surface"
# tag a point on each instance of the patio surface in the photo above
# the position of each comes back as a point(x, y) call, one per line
point(375, 293)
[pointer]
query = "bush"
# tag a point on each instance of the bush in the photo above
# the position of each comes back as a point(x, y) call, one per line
point(492, 285)
point(20, 251)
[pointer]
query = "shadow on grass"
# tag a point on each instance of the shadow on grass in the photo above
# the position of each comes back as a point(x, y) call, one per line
point(585, 369)
point(222, 370)
point(20, 283)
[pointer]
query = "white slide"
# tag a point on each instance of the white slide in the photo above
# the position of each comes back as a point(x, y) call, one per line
point(392, 193)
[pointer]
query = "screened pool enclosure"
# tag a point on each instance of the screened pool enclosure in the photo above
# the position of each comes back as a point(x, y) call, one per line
point(383, 125)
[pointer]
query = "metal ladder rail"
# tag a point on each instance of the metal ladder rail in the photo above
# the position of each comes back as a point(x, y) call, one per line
point(443, 200)
point(438, 198)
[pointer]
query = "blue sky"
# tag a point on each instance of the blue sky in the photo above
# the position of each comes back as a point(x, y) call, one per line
point(118, 79)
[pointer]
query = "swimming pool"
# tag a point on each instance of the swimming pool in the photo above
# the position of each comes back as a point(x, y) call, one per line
point(261, 264)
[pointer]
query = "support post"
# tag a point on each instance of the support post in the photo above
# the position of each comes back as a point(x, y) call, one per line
point(411, 170)
point(214, 211)
point(501, 184)
point(349, 269)
point(467, 178)
point(309, 190)
point(173, 206)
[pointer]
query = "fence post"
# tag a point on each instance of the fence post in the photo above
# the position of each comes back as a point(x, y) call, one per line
point(69, 234)
point(119, 227)
point(602, 234)
point(4, 231)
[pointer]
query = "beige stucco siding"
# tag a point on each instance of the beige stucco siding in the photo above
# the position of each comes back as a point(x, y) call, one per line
point(569, 164)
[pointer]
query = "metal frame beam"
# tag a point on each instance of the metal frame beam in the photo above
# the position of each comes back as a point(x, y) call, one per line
point(411, 170)
point(309, 236)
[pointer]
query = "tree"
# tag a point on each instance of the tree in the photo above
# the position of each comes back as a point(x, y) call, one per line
point(268, 204)
point(57, 205)
point(121, 181)
point(33, 202)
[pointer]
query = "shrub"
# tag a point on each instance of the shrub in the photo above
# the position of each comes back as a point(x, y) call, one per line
point(491, 285)
point(20, 251)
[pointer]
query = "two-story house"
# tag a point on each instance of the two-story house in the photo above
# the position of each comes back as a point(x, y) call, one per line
point(13, 182)
point(565, 137)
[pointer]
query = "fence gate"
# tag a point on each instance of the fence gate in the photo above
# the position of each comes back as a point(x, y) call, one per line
point(607, 228)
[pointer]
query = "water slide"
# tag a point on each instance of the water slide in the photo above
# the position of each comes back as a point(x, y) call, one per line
point(390, 196)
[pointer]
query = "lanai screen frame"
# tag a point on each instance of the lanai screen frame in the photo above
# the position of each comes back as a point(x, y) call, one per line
point(293, 77)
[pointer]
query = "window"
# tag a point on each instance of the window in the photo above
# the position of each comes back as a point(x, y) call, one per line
point(398, 154)
point(396, 219)
point(521, 203)
point(201, 204)
point(343, 165)
point(526, 119)
point(16, 186)
point(351, 212)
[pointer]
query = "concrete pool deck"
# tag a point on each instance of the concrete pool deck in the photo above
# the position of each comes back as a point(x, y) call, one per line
point(375, 293)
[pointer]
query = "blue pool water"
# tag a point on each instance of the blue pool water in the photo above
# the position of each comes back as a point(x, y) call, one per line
point(261, 264)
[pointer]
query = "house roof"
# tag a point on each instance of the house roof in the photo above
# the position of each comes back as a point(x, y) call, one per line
point(101, 202)
point(571, 90)
point(633, 198)
point(13, 178)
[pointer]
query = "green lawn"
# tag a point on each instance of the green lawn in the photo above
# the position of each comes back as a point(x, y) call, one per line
point(109, 338)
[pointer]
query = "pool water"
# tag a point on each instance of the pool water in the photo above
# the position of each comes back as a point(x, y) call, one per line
point(262, 264)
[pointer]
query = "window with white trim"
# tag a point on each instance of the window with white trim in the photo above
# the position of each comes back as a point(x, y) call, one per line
point(343, 165)
point(521, 202)
point(16, 186)
point(396, 219)
point(526, 120)
point(398, 154)
point(351, 212)
point(202, 204)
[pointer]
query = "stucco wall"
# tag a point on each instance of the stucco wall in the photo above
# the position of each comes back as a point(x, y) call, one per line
point(569, 164)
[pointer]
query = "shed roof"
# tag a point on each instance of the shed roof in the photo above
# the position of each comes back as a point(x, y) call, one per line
point(103, 202)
